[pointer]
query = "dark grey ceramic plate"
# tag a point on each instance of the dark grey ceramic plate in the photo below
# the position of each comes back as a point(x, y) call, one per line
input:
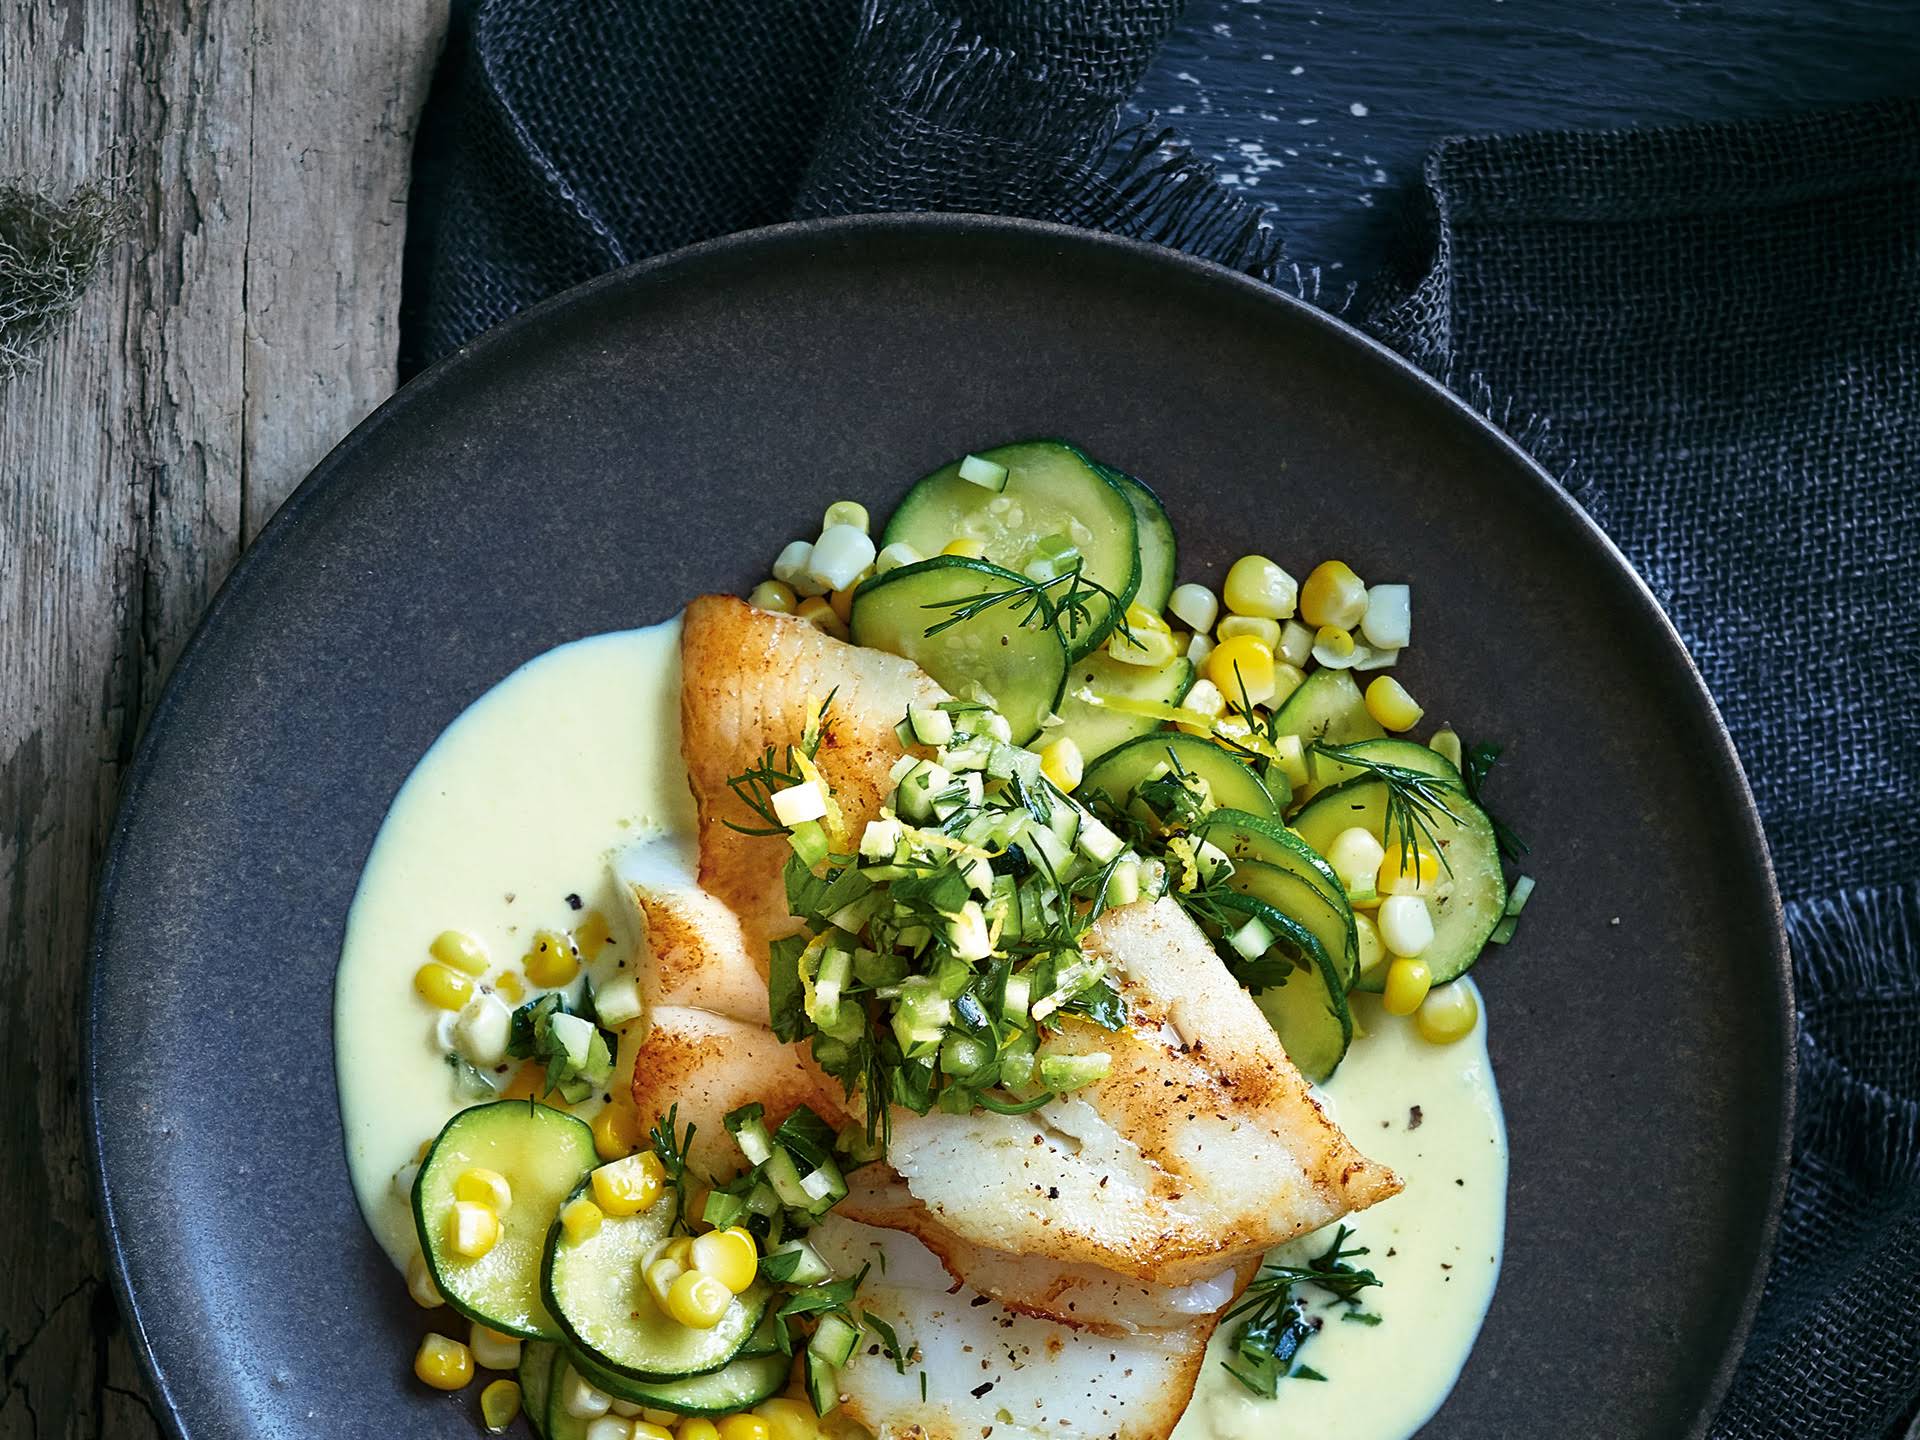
point(662, 432)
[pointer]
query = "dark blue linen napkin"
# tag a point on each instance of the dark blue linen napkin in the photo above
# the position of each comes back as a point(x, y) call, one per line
point(1709, 333)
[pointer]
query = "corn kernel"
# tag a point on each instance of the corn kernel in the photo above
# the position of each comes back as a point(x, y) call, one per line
point(1355, 856)
point(1334, 648)
point(1390, 704)
point(729, 1256)
point(581, 1219)
point(774, 595)
point(442, 987)
point(613, 1132)
point(626, 1187)
point(1446, 744)
point(493, 1350)
point(1242, 670)
point(697, 1427)
point(608, 1427)
point(592, 934)
point(1449, 1013)
point(1267, 632)
point(1408, 870)
point(1195, 605)
point(499, 1406)
point(442, 1363)
point(965, 549)
point(1062, 763)
point(1286, 679)
point(1296, 643)
point(472, 1230)
point(744, 1427)
point(1205, 699)
point(1148, 643)
point(789, 1419)
point(1372, 952)
point(461, 951)
point(647, 1430)
point(420, 1284)
point(698, 1301)
point(1406, 925)
point(660, 1275)
point(581, 1398)
point(510, 987)
point(842, 600)
point(680, 1251)
point(894, 556)
point(1407, 984)
point(552, 961)
point(484, 1187)
point(668, 1418)
point(818, 612)
point(1333, 595)
point(846, 512)
point(1257, 586)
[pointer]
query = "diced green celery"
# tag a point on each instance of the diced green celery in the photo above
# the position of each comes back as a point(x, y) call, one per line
point(1518, 896)
point(1253, 939)
point(724, 1209)
point(809, 842)
point(1019, 996)
point(1097, 842)
point(1060, 1073)
point(1123, 886)
point(930, 724)
point(795, 1263)
point(962, 1054)
point(874, 967)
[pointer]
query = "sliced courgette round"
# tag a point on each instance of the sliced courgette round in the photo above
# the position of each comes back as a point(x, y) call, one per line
point(543, 1153)
point(597, 1293)
point(740, 1384)
point(1299, 899)
point(1159, 555)
point(1258, 837)
point(1051, 490)
point(1471, 894)
point(1120, 771)
point(1327, 706)
point(1020, 668)
point(1325, 772)
point(1308, 1010)
point(1098, 728)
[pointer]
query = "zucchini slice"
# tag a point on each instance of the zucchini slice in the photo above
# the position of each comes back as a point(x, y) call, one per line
point(1021, 668)
point(543, 1153)
point(1051, 490)
point(596, 1293)
point(536, 1382)
point(1326, 772)
point(1159, 555)
point(1120, 771)
point(1308, 1010)
point(1472, 893)
point(1300, 900)
point(1328, 706)
point(1097, 729)
point(741, 1383)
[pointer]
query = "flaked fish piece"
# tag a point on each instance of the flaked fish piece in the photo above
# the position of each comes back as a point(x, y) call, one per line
point(1079, 1296)
point(1201, 1146)
point(690, 947)
point(991, 1370)
point(747, 679)
point(708, 1064)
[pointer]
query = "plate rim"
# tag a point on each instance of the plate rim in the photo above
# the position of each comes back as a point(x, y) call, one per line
point(337, 464)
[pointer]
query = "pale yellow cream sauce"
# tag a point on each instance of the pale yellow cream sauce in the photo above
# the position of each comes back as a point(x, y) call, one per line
point(523, 802)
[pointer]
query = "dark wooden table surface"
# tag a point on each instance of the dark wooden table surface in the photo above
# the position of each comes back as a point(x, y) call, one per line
point(252, 323)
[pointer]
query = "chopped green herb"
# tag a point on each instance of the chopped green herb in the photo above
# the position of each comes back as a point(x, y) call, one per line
point(889, 1340)
point(1477, 764)
point(1268, 1340)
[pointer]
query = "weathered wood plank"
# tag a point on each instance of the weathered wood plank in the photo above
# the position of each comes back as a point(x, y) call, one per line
point(249, 323)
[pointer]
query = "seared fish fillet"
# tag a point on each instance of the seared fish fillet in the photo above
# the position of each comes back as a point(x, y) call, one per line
point(691, 947)
point(1081, 1296)
point(985, 1363)
point(747, 678)
point(1201, 1146)
point(708, 1064)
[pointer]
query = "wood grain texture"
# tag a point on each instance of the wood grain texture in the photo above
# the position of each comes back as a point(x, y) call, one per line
point(249, 323)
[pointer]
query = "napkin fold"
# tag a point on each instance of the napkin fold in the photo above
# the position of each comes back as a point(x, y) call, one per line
point(1709, 333)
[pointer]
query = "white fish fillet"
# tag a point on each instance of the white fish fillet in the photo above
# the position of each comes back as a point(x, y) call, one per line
point(691, 948)
point(747, 678)
point(1201, 1146)
point(990, 1370)
point(708, 1064)
point(1081, 1296)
